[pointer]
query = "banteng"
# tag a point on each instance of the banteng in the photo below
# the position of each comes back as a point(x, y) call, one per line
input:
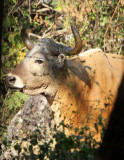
point(79, 86)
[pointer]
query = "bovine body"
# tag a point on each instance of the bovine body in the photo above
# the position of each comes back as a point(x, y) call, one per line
point(81, 103)
point(80, 98)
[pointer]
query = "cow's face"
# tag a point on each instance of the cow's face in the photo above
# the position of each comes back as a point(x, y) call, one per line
point(44, 61)
point(35, 72)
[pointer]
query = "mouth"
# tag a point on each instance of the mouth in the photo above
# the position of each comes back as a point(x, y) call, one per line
point(48, 96)
point(36, 91)
point(16, 89)
point(30, 91)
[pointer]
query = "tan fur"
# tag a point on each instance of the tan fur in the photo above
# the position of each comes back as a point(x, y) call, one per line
point(105, 75)
point(71, 94)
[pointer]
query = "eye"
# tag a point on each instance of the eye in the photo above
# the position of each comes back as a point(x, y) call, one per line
point(39, 61)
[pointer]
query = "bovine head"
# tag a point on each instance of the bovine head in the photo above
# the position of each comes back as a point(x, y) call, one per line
point(44, 61)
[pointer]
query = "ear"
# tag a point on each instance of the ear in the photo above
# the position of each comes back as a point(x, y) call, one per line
point(61, 59)
point(79, 70)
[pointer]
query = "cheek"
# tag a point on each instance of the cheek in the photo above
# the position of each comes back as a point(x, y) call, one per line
point(39, 70)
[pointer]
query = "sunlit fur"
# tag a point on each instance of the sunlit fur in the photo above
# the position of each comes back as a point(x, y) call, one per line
point(86, 84)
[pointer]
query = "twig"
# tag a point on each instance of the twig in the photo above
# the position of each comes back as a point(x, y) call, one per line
point(109, 24)
point(45, 5)
point(43, 10)
point(120, 50)
point(47, 30)
point(47, 8)
point(59, 32)
point(12, 9)
point(21, 11)
point(30, 10)
point(119, 24)
point(34, 35)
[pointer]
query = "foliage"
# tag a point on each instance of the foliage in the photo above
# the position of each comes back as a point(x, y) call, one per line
point(75, 147)
point(100, 23)
point(11, 105)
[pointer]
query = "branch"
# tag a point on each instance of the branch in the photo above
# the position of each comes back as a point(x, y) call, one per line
point(11, 10)
point(47, 8)
point(42, 10)
point(109, 24)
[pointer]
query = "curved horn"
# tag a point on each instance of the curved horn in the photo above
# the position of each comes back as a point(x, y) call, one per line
point(56, 48)
point(78, 42)
point(28, 43)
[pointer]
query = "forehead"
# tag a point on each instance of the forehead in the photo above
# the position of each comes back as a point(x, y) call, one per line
point(36, 55)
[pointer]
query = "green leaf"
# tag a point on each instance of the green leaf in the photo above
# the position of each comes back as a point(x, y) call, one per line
point(70, 84)
point(73, 111)
point(59, 8)
point(30, 148)
point(11, 38)
point(103, 21)
point(34, 142)
point(17, 147)
point(107, 104)
point(84, 38)
point(100, 119)
point(7, 22)
point(96, 126)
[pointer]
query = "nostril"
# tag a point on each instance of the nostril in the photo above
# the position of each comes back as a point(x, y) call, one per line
point(11, 80)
